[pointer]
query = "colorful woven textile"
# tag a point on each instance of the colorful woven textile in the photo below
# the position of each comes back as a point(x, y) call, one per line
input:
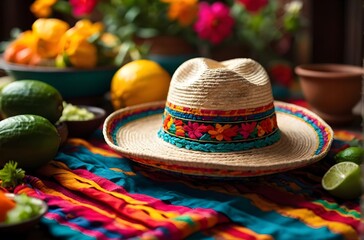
point(93, 193)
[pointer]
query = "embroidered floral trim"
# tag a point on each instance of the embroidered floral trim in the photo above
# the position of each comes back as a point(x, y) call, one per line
point(218, 130)
point(201, 131)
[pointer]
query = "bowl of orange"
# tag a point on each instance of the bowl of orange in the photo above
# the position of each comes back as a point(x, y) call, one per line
point(70, 82)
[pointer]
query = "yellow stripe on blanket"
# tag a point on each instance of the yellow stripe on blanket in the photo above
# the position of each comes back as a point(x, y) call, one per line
point(305, 215)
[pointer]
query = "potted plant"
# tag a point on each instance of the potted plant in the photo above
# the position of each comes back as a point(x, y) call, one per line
point(263, 30)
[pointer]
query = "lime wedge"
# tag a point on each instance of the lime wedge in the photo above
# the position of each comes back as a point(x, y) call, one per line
point(342, 180)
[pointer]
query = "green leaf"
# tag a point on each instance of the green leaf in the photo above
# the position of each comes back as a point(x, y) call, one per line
point(15, 32)
point(122, 54)
point(147, 32)
point(126, 32)
point(63, 7)
point(94, 38)
point(132, 14)
point(11, 175)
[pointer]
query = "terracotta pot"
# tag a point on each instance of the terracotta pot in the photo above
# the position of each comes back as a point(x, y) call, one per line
point(331, 90)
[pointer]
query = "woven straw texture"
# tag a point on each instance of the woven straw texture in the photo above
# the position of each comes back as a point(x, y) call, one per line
point(229, 85)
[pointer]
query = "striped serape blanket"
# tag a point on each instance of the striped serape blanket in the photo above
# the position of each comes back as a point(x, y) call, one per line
point(94, 193)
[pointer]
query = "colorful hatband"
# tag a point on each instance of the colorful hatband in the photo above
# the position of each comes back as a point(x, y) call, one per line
point(218, 130)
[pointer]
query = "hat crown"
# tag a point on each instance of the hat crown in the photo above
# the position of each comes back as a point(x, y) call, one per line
point(220, 107)
point(207, 84)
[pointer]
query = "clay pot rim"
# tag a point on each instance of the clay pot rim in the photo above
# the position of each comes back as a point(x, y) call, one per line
point(328, 70)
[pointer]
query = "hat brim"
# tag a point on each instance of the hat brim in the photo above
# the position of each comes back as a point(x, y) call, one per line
point(305, 139)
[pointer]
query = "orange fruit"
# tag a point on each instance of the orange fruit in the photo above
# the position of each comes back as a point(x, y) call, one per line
point(23, 56)
point(11, 51)
point(137, 82)
point(6, 205)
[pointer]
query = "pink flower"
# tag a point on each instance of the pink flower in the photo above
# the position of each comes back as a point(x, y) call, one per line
point(253, 6)
point(214, 22)
point(247, 129)
point(194, 130)
point(82, 7)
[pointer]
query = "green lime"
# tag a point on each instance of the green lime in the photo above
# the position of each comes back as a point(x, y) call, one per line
point(29, 140)
point(31, 97)
point(350, 154)
point(343, 180)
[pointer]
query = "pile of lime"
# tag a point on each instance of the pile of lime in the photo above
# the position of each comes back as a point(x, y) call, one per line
point(343, 179)
point(28, 135)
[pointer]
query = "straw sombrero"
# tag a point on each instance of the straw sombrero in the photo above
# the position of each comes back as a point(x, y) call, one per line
point(220, 120)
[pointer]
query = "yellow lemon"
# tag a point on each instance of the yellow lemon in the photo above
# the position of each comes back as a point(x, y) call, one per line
point(137, 82)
